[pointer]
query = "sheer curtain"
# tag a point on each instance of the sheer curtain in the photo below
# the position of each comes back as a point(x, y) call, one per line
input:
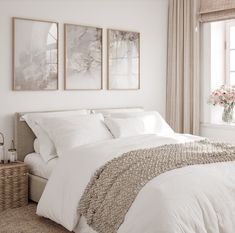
point(183, 98)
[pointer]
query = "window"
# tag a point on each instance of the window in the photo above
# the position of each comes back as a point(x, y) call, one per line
point(230, 53)
point(217, 64)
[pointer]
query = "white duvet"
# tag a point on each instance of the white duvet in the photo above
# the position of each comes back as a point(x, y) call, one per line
point(194, 199)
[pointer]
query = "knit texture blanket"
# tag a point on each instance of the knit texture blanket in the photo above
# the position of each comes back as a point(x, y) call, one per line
point(114, 187)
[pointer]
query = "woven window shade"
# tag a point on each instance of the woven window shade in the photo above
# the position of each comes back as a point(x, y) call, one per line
point(215, 10)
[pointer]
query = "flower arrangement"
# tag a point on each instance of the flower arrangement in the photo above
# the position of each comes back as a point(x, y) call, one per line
point(225, 97)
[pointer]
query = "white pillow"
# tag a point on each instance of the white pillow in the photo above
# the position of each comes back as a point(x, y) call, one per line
point(46, 146)
point(72, 131)
point(36, 146)
point(110, 111)
point(125, 125)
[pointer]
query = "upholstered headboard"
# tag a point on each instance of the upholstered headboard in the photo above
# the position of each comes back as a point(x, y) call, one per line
point(24, 137)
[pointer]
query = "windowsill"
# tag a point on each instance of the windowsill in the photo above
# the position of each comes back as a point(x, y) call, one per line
point(221, 125)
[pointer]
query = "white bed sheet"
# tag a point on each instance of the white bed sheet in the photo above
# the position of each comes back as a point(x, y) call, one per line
point(73, 169)
point(38, 167)
point(193, 199)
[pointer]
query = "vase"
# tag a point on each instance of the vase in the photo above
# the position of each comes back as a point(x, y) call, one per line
point(228, 114)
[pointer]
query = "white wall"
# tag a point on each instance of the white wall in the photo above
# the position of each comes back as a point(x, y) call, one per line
point(149, 17)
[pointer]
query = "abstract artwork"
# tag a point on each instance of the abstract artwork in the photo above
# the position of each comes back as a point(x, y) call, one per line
point(35, 55)
point(123, 60)
point(83, 57)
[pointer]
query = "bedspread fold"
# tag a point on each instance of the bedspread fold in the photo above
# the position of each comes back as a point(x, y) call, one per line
point(114, 187)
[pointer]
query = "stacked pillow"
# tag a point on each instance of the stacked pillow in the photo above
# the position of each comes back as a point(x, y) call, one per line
point(57, 132)
point(137, 123)
point(36, 146)
point(72, 131)
point(46, 146)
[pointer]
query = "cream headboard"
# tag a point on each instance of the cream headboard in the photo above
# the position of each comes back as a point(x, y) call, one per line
point(24, 137)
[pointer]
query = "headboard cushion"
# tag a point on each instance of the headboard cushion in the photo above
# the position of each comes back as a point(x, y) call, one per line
point(24, 136)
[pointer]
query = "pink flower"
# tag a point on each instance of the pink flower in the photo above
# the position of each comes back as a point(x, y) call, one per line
point(225, 96)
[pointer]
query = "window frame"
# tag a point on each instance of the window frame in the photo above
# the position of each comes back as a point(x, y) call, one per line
point(228, 25)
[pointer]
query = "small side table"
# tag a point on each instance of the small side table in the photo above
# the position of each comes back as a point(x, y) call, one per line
point(13, 185)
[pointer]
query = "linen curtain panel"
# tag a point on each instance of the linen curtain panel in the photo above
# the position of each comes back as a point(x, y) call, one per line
point(182, 89)
point(214, 10)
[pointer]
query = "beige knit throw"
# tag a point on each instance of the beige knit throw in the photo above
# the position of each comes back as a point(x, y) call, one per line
point(114, 187)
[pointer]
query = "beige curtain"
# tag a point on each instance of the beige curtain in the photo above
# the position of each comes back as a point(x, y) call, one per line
point(214, 10)
point(182, 100)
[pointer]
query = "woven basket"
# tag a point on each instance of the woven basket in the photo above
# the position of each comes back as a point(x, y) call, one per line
point(13, 185)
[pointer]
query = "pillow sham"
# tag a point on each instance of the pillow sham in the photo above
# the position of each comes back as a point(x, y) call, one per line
point(72, 131)
point(46, 146)
point(36, 146)
point(125, 125)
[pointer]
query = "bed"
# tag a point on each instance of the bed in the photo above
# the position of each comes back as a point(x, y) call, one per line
point(133, 182)
point(24, 138)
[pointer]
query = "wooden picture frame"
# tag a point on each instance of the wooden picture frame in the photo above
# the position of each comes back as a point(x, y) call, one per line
point(83, 57)
point(35, 54)
point(123, 55)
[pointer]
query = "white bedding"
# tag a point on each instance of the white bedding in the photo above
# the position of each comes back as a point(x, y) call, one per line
point(38, 167)
point(194, 199)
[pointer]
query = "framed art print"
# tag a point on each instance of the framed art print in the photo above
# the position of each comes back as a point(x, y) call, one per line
point(83, 57)
point(123, 60)
point(35, 55)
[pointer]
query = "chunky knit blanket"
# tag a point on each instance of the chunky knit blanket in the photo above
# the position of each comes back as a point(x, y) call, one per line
point(114, 187)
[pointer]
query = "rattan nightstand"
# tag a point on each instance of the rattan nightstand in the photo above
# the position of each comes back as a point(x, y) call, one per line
point(13, 185)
